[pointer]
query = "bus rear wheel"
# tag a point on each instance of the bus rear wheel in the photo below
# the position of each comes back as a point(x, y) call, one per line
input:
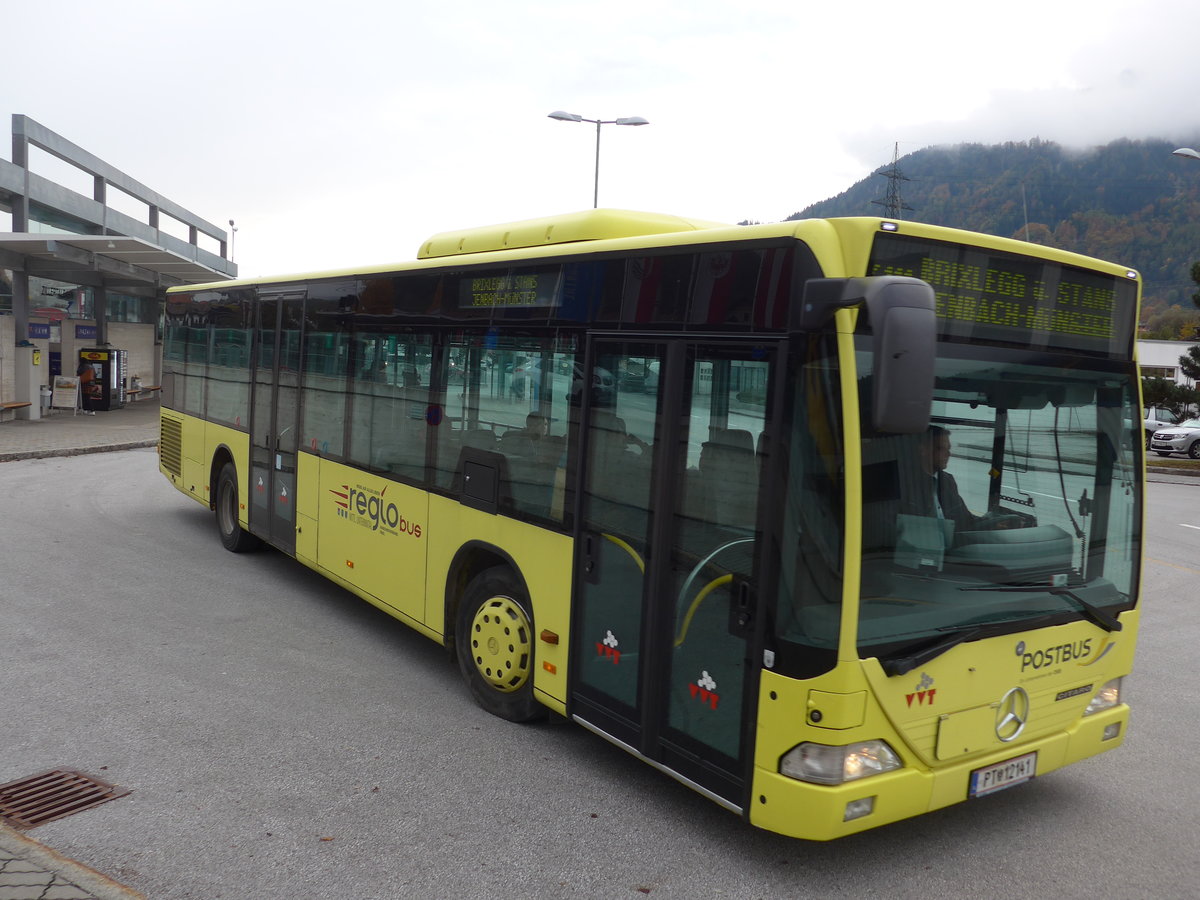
point(493, 640)
point(233, 538)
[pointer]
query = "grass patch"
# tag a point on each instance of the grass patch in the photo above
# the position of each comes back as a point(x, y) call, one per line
point(1171, 462)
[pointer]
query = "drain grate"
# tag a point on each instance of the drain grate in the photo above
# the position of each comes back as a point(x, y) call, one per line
point(39, 799)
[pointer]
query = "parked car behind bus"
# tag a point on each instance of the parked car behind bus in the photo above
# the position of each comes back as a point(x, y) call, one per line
point(1181, 438)
point(1155, 417)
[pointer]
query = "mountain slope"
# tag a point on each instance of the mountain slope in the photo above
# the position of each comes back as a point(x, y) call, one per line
point(1130, 202)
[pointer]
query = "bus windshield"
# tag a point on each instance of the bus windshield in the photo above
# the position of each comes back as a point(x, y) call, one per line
point(1017, 508)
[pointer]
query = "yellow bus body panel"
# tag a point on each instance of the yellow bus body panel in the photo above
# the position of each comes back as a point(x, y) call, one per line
point(194, 480)
point(371, 532)
point(308, 507)
point(177, 426)
point(237, 443)
point(543, 558)
point(940, 719)
point(394, 545)
point(201, 441)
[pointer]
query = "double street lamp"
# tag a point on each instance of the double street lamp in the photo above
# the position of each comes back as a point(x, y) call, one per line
point(574, 117)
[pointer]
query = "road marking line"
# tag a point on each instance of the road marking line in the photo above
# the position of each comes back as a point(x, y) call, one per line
point(1185, 525)
point(1163, 562)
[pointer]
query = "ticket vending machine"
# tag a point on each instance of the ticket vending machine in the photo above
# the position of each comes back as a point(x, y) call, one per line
point(109, 366)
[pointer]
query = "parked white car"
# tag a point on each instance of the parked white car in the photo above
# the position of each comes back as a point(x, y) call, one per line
point(1154, 418)
point(1181, 438)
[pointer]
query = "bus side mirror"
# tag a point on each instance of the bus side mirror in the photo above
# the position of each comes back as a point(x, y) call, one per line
point(903, 324)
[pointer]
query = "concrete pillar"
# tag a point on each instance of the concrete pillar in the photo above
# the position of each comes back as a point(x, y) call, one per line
point(100, 195)
point(20, 305)
point(100, 300)
point(20, 157)
point(27, 381)
point(20, 225)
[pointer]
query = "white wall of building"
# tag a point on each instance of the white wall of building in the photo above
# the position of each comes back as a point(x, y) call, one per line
point(138, 340)
point(1164, 355)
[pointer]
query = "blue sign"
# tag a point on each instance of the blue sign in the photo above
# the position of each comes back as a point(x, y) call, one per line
point(39, 331)
point(85, 332)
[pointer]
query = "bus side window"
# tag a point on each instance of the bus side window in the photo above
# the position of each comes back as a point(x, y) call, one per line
point(388, 425)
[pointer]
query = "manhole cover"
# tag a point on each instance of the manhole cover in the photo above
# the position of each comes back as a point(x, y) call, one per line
point(38, 799)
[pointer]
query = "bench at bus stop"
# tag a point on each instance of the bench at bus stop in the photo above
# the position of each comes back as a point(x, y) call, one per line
point(11, 406)
point(138, 393)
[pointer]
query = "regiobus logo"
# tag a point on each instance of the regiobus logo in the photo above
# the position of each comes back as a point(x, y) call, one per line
point(368, 508)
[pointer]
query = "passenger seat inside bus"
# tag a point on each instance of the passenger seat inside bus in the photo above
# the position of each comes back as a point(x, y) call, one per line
point(619, 477)
point(727, 482)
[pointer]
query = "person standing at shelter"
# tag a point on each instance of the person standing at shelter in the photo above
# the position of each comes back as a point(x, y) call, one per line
point(87, 376)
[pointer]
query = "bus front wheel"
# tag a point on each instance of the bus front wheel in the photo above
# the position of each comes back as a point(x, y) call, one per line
point(233, 538)
point(493, 640)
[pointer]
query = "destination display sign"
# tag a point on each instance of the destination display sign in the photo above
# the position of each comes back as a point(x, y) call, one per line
point(511, 290)
point(990, 295)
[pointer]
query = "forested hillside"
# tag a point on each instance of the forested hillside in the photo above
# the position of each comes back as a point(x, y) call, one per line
point(1130, 202)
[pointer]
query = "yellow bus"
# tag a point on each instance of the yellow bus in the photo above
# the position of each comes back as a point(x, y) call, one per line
point(834, 521)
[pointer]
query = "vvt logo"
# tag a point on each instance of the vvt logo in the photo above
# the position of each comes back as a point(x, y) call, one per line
point(925, 692)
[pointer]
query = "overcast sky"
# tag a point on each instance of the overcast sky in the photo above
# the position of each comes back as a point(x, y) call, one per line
point(345, 133)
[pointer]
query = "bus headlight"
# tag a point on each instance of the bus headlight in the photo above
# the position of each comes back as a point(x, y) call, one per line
point(822, 764)
point(1106, 698)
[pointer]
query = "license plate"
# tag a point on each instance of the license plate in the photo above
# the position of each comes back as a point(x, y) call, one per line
point(1003, 775)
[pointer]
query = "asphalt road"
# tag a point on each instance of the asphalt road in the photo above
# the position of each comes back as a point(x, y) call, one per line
point(285, 740)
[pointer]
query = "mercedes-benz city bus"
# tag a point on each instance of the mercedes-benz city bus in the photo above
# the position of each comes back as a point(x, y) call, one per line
point(835, 521)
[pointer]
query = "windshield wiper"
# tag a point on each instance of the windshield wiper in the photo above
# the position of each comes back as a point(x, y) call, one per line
point(899, 665)
point(1092, 612)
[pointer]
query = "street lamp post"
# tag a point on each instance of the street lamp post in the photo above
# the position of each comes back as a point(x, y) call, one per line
point(575, 117)
point(1186, 151)
point(232, 238)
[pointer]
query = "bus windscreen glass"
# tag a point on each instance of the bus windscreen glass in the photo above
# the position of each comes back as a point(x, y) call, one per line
point(986, 295)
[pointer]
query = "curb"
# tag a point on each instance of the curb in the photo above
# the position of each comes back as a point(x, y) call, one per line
point(96, 883)
point(75, 451)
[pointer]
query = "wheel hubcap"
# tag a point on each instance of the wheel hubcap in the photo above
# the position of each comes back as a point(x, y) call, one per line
point(226, 510)
point(501, 643)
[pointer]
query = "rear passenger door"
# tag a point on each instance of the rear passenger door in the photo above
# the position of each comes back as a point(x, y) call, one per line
point(669, 549)
point(274, 412)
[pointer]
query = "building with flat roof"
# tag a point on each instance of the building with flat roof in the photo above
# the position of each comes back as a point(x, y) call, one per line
point(1160, 359)
point(87, 271)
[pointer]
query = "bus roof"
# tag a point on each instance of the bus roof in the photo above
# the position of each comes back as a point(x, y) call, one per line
point(843, 243)
point(590, 225)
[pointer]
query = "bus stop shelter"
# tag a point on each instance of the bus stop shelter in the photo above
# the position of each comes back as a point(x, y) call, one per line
point(62, 237)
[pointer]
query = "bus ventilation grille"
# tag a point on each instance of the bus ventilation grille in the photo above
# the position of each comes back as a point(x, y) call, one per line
point(170, 446)
point(52, 795)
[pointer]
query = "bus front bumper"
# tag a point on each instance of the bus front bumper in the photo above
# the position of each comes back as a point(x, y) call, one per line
point(819, 812)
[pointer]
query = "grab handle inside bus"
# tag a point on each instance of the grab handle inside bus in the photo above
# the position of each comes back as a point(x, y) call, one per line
point(900, 311)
